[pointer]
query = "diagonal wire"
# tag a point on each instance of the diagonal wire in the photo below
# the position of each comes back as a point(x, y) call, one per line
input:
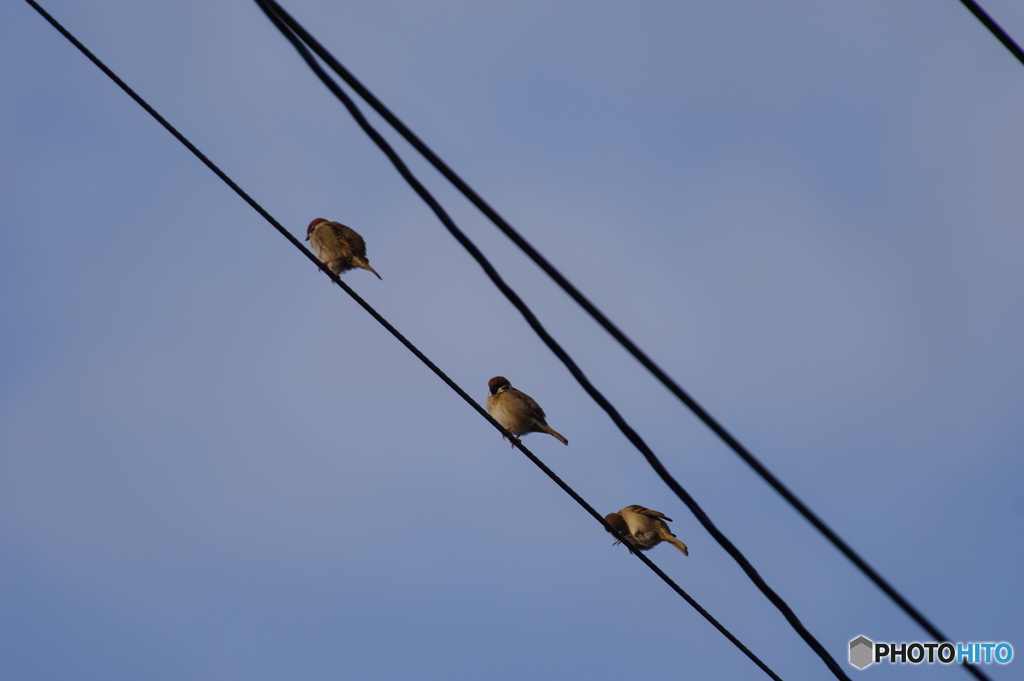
point(401, 338)
point(666, 380)
point(553, 345)
point(995, 29)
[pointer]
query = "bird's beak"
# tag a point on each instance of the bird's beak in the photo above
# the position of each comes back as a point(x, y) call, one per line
point(307, 238)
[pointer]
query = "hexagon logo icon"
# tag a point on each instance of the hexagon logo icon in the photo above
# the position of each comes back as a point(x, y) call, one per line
point(861, 652)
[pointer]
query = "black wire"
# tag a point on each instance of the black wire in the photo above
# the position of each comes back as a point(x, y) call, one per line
point(614, 331)
point(995, 29)
point(401, 338)
point(553, 345)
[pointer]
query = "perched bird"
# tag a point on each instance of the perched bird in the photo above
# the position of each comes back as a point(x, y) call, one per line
point(516, 411)
point(339, 247)
point(643, 528)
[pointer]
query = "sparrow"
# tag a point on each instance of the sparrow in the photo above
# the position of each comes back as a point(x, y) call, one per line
point(643, 528)
point(516, 411)
point(339, 247)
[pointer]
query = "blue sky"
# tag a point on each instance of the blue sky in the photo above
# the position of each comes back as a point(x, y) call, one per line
point(214, 465)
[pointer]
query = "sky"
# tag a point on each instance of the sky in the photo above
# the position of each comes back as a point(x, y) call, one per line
point(214, 465)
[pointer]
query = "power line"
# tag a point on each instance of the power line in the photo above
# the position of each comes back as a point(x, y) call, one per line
point(994, 28)
point(398, 335)
point(559, 352)
point(759, 468)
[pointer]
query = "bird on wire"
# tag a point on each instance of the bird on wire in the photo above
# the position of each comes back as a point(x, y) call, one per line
point(516, 411)
point(643, 528)
point(339, 247)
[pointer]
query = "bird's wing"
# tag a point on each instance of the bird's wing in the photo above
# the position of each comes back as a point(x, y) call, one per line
point(530, 405)
point(654, 514)
point(350, 237)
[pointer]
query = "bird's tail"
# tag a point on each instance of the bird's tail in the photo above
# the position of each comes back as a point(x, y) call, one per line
point(361, 263)
point(671, 539)
point(554, 433)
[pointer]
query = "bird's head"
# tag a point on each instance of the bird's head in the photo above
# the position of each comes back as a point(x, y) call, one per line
point(618, 524)
point(498, 384)
point(312, 226)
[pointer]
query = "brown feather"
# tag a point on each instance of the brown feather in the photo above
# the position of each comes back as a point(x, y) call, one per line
point(338, 246)
point(516, 411)
point(647, 528)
